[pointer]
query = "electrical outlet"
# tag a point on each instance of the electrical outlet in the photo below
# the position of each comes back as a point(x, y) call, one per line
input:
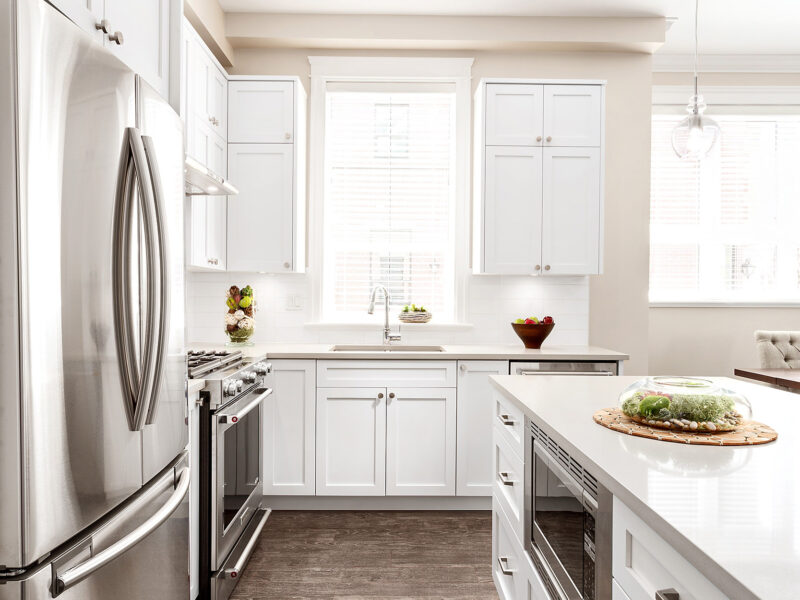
point(294, 302)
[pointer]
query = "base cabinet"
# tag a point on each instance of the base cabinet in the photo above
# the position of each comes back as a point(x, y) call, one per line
point(474, 467)
point(289, 429)
point(421, 442)
point(351, 441)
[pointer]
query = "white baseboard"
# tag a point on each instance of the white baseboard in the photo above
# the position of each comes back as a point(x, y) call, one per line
point(378, 502)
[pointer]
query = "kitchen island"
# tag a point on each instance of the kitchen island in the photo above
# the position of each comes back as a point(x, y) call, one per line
point(729, 515)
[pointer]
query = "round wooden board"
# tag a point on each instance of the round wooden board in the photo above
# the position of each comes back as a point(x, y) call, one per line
point(749, 433)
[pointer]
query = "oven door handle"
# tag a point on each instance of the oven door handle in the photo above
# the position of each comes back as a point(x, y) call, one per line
point(236, 570)
point(237, 416)
point(584, 373)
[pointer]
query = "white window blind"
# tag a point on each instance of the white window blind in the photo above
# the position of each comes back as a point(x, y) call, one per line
point(727, 229)
point(389, 197)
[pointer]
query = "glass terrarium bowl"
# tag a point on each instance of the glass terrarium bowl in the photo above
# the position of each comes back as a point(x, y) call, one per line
point(684, 404)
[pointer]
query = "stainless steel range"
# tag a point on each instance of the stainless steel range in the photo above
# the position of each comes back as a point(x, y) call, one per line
point(231, 511)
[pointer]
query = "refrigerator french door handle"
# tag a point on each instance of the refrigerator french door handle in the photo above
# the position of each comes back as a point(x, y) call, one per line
point(81, 571)
point(137, 378)
point(158, 200)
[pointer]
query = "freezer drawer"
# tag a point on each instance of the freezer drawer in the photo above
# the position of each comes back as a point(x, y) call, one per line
point(588, 368)
point(157, 566)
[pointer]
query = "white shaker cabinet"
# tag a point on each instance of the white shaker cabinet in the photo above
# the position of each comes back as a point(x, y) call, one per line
point(571, 211)
point(475, 415)
point(261, 232)
point(514, 115)
point(538, 184)
point(289, 429)
point(137, 32)
point(351, 442)
point(262, 112)
point(572, 115)
point(513, 209)
point(420, 442)
point(266, 162)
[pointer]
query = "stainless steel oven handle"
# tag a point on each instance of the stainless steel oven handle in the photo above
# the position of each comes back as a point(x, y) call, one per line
point(240, 414)
point(236, 569)
point(668, 594)
point(79, 572)
point(572, 484)
point(584, 373)
point(502, 561)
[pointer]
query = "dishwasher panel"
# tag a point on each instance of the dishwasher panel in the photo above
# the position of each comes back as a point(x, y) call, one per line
point(588, 368)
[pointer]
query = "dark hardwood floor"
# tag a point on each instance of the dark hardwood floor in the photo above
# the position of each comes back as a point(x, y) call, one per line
point(371, 554)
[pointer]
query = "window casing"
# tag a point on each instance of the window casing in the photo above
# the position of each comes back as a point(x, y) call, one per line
point(725, 230)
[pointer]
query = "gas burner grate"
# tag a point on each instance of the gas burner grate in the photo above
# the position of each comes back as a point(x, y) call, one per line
point(203, 362)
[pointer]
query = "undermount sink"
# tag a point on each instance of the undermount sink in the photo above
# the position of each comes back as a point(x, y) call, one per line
point(387, 348)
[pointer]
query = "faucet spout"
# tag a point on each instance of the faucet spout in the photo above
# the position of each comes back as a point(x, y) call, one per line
point(387, 331)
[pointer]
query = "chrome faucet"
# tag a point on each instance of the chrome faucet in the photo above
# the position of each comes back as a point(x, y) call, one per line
point(388, 337)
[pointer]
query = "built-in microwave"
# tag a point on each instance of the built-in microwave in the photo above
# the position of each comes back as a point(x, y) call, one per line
point(567, 521)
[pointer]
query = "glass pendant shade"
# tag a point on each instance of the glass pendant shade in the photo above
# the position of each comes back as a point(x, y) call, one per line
point(695, 135)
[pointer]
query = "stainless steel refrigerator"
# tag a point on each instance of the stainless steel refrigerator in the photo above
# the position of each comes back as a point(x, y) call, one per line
point(93, 465)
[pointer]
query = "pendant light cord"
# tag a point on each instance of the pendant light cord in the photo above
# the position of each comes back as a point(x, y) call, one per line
point(696, 11)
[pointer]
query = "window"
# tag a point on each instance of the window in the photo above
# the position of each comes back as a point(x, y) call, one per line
point(391, 181)
point(725, 230)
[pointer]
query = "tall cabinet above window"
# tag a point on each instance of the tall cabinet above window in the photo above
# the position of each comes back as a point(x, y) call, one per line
point(538, 189)
point(266, 161)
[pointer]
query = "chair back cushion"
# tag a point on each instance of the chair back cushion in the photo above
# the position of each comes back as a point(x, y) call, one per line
point(778, 349)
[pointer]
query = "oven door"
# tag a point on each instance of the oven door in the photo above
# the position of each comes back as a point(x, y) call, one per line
point(562, 528)
point(236, 490)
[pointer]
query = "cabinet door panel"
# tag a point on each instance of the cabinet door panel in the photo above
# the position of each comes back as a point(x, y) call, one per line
point(351, 441)
point(513, 114)
point(289, 429)
point(261, 112)
point(572, 115)
point(571, 211)
point(260, 218)
point(421, 442)
point(84, 13)
point(513, 210)
point(475, 415)
point(217, 99)
point(144, 25)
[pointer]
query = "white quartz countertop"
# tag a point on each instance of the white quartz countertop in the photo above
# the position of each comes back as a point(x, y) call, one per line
point(733, 512)
point(451, 352)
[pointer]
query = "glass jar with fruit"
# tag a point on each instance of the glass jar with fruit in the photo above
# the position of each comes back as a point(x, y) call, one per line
point(240, 319)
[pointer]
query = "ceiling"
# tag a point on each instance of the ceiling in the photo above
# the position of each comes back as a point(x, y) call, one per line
point(726, 27)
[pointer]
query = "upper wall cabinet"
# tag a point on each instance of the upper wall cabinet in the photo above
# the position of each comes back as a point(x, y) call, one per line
point(137, 32)
point(538, 178)
point(262, 112)
point(266, 161)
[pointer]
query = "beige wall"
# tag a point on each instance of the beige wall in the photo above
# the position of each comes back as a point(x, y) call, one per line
point(619, 310)
point(208, 20)
point(714, 341)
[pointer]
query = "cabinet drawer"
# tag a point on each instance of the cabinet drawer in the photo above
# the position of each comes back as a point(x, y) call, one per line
point(643, 562)
point(508, 569)
point(509, 483)
point(511, 423)
point(386, 373)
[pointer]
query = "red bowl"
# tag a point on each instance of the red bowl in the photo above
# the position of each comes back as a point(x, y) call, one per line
point(533, 334)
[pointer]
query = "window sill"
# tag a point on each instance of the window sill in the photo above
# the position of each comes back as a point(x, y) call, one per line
point(717, 304)
point(336, 326)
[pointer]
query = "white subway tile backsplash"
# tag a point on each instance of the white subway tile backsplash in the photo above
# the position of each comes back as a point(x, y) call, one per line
point(492, 303)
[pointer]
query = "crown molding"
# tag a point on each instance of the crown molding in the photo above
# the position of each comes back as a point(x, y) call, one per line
point(732, 95)
point(727, 63)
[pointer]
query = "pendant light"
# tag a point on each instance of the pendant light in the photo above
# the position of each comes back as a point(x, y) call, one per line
point(695, 135)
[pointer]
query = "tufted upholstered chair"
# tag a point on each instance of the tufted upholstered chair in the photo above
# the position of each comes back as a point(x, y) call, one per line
point(778, 349)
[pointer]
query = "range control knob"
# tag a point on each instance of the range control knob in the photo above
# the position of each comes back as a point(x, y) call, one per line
point(239, 385)
point(250, 377)
point(263, 368)
point(229, 388)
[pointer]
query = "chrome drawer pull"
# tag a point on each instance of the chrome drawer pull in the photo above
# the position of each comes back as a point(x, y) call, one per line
point(506, 420)
point(668, 594)
point(505, 478)
point(504, 568)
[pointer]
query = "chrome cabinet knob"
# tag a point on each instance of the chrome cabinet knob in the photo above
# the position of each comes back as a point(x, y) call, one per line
point(538, 138)
point(549, 139)
point(103, 25)
point(547, 267)
point(380, 396)
point(391, 395)
point(287, 265)
point(538, 268)
point(117, 38)
point(288, 136)
point(463, 368)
